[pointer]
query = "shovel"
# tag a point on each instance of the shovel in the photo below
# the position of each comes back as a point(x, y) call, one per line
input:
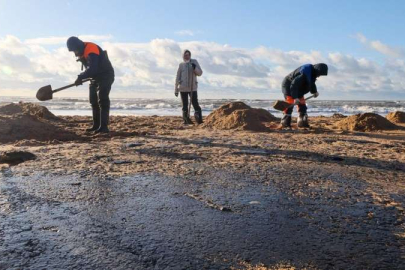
point(46, 92)
point(281, 105)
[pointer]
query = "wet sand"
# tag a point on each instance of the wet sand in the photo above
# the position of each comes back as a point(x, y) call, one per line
point(155, 194)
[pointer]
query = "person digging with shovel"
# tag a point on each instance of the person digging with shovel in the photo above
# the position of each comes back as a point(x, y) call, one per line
point(295, 85)
point(186, 85)
point(101, 74)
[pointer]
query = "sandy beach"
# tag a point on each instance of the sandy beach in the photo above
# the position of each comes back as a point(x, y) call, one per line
point(155, 194)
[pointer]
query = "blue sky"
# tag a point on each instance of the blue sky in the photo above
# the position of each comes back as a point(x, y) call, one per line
point(323, 26)
point(289, 25)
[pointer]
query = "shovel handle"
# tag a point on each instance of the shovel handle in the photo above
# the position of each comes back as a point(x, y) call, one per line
point(68, 86)
point(312, 96)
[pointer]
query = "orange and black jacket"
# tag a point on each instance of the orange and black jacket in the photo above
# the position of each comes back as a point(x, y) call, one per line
point(96, 62)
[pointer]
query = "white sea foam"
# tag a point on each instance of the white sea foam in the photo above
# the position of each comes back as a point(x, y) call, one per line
point(81, 106)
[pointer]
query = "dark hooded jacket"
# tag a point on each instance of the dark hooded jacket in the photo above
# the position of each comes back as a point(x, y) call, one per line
point(302, 80)
point(96, 62)
point(92, 57)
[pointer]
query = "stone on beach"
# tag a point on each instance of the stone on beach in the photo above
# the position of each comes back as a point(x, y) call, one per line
point(16, 157)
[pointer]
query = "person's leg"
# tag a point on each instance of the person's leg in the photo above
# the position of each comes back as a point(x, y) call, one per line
point(94, 106)
point(302, 107)
point(197, 109)
point(302, 120)
point(286, 120)
point(285, 88)
point(104, 88)
point(184, 100)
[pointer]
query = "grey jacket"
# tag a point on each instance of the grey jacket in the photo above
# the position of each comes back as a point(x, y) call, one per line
point(186, 79)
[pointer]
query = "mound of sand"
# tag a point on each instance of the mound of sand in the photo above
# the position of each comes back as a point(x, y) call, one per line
point(238, 115)
point(396, 117)
point(27, 121)
point(35, 110)
point(338, 116)
point(365, 122)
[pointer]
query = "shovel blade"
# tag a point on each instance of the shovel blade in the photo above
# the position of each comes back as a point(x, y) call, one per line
point(45, 93)
point(281, 105)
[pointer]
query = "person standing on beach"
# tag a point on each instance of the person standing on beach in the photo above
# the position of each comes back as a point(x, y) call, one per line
point(186, 85)
point(99, 69)
point(295, 85)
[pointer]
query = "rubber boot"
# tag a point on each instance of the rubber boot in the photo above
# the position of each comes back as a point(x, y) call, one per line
point(286, 121)
point(96, 119)
point(198, 117)
point(302, 121)
point(104, 120)
point(186, 119)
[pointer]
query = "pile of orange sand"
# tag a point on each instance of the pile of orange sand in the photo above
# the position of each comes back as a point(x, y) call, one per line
point(27, 121)
point(365, 122)
point(35, 110)
point(239, 116)
point(396, 117)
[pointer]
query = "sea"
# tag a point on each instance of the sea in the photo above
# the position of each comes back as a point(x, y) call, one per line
point(172, 107)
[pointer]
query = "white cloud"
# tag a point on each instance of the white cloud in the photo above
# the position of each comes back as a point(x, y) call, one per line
point(62, 40)
point(185, 33)
point(150, 68)
point(380, 47)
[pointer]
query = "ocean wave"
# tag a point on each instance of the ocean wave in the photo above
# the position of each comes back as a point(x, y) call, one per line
point(73, 100)
point(158, 105)
point(146, 106)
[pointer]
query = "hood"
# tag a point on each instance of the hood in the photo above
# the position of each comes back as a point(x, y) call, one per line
point(321, 69)
point(75, 44)
point(184, 52)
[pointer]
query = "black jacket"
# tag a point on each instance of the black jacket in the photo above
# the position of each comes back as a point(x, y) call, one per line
point(302, 80)
point(96, 62)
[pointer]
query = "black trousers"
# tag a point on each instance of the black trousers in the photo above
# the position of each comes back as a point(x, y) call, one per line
point(99, 91)
point(302, 107)
point(285, 87)
point(194, 101)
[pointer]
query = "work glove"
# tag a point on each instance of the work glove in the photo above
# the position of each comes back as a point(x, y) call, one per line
point(194, 65)
point(316, 94)
point(78, 81)
point(297, 101)
point(176, 94)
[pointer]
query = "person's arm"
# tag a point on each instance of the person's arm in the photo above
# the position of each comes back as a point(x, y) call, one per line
point(197, 70)
point(178, 78)
point(92, 69)
point(296, 84)
point(314, 89)
point(307, 72)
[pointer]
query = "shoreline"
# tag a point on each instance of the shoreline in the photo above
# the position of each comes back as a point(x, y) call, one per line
point(172, 107)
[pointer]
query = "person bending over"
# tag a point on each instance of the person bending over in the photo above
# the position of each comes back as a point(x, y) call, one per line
point(295, 85)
